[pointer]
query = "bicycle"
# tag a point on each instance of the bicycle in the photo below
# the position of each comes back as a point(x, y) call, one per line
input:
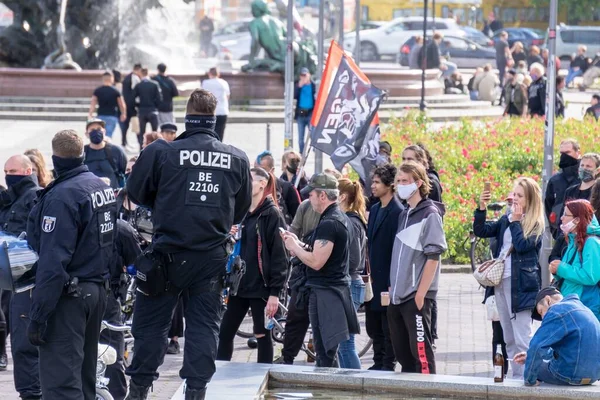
point(480, 249)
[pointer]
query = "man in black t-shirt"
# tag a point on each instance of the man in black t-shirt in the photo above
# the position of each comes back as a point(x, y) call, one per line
point(169, 91)
point(109, 102)
point(327, 279)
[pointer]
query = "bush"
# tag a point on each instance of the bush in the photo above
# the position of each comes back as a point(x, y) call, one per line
point(470, 153)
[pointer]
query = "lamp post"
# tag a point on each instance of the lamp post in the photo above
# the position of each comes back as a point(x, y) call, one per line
point(423, 105)
point(321, 50)
point(289, 78)
point(341, 24)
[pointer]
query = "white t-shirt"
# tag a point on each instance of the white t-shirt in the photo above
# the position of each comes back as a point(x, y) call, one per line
point(506, 244)
point(220, 88)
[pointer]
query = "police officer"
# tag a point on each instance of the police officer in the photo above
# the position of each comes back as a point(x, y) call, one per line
point(15, 205)
point(72, 227)
point(197, 188)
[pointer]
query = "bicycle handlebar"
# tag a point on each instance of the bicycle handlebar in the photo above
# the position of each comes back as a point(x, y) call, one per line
point(115, 328)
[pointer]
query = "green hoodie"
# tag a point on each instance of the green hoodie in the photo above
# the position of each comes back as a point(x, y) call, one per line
point(581, 271)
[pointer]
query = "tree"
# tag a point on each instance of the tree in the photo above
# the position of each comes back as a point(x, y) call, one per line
point(577, 10)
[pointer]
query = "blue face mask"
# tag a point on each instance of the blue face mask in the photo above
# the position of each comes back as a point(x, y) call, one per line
point(96, 136)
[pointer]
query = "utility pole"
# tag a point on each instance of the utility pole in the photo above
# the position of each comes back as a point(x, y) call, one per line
point(321, 50)
point(549, 135)
point(423, 105)
point(357, 18)
point(341, 24)
point(289, 79)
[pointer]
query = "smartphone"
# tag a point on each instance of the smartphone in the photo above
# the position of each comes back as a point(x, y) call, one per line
point(487, 187)
point(282, 231)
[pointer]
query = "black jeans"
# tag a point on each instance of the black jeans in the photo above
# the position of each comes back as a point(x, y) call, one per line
point(3, 324)
point(237, 308)
point(325, 357)
point(498, 339)
point(177, 326)
point(145, 118)
point(124, 125)
point(410, 331)
point(199, 273)
point(117, 384)
point(378, 329)
point(296, 326)
point(69, 356)
point(220, 126)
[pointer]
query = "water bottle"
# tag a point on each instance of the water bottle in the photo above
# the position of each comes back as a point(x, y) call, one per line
point(269, 321)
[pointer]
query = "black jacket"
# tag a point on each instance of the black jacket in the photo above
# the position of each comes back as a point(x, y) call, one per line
point(555, 194)
point(168, 90)
point(72, 228)
point(526, 276)
point(537, 97)
point(594, 111)
point(197, 188)
point(301, 184)
point(127, 250)
point(531, 59)
point(150, 96)
point(581, 62)
point(288, 199)
point(15, 205)
point(381, 244)
point(358, 246)
point(434, 58)
point(261, 241)
point(128, 96)
point(436, 186)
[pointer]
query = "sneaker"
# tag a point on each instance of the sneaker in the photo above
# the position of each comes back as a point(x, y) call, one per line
point(173, 347)
point(3, 362)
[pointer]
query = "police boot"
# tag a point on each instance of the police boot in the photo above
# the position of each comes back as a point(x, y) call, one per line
point(194, 394)
point(137, 392)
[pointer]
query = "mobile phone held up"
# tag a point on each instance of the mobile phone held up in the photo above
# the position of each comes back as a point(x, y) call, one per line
point(487, 187)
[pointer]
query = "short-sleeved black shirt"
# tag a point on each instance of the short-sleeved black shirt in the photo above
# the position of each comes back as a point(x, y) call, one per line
point(335, 270)
point(107, 100)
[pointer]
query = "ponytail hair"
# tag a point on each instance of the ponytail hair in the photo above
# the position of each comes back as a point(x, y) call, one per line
point(355, 200)
point(271, 188)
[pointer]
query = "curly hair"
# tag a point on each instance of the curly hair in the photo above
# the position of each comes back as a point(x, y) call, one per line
point(387, 174)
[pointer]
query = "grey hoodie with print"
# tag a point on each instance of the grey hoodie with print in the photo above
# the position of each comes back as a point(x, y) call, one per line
point(420, 238)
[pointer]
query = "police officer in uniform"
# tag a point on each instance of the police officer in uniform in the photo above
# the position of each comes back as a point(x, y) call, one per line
point(72, 227)
point(197, 188)
point(15, 205)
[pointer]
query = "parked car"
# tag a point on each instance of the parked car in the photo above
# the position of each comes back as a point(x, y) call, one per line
point(568, 38)
point(529, 37)
point(463, 52)
point(477, 36)
point(383, 41)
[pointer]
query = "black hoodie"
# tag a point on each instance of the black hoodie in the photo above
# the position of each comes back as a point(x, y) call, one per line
point(268, 277)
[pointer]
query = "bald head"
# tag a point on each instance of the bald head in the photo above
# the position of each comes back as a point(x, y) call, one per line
point(18, 165)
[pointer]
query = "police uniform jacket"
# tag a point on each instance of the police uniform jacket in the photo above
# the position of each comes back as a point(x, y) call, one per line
point(197, 188)
point(16, 203)
point(72, 229)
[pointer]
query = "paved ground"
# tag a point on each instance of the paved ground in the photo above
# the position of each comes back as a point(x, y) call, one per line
point(464, 347)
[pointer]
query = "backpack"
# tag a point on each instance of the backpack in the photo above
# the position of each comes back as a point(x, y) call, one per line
point(109, 157)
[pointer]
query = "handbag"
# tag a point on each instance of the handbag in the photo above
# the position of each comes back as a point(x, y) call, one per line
point(490, 272)
point(492, 309)
point(366, 277)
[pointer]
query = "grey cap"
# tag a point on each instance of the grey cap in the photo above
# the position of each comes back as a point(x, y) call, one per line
point(94, 121)
point(320, 181)
point(304, 71)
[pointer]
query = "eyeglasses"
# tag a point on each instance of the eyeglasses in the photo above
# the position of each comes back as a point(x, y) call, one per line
point(568, 215)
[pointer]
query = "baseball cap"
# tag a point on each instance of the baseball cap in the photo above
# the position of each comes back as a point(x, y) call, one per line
point(168, 127)
point(304, 71)
point(94, 121)
point(320, 181)
point(547, 291)
point(386, 147)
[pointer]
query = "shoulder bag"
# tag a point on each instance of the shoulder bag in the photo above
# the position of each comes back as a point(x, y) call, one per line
point(490, 272)
point(366, 277)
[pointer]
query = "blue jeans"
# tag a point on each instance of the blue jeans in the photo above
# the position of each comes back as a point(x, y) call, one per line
point(474, 95)
point(572, 75)
point(111, 123)
point(347, 354)
point(303, 124)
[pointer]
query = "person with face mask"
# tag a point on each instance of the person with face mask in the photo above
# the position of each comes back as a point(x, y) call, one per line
point(290, 164)
point(414, 273)
point(102, 158)
point(578, 272)
point(15, 204)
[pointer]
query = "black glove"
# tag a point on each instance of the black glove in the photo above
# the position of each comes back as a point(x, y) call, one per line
point(36, 332)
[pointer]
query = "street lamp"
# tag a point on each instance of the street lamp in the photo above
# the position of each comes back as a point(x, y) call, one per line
point(422, 105)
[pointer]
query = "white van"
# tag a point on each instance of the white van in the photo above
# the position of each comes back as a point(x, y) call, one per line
point(568, 38)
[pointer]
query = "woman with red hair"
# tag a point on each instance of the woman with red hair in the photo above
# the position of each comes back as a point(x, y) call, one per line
point(579, 270)
point(263, 250)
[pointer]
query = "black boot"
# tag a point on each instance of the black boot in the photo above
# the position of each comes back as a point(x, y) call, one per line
point(194, 394)
point(137, 392)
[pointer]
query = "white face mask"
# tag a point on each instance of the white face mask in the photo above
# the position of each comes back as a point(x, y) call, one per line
point(568, 227)
point(405, 192)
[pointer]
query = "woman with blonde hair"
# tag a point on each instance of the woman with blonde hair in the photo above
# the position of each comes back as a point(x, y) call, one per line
point(519, 238)
point(42, 172)
point(518, 52)
point(353, 203)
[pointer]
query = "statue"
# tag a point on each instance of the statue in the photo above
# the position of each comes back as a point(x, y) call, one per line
point(269, 34)
point(60, 58)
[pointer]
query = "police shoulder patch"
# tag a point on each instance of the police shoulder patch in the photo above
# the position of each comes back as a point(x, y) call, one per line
point(48, 224)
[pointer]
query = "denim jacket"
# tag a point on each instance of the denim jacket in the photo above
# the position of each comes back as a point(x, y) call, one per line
point(570, 338)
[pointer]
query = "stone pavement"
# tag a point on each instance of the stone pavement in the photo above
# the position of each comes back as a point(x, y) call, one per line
point(464, 347)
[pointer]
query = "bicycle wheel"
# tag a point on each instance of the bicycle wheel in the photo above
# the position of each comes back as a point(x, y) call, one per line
point(362, 342)
point(246, 329)
point(479, 251)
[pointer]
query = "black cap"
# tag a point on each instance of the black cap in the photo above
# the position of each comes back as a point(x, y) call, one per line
point(386, 146)
point(547, 291)
point(320, 181)
point(168, 127)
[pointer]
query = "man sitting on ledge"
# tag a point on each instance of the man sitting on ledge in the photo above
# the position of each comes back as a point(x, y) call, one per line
point(564, 350)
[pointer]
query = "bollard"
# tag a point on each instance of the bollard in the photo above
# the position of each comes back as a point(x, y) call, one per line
point(268, 136)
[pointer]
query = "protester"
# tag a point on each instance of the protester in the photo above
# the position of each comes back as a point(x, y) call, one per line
point(409, 314)
point(352, 202)
point(545, 55)
point(305, 94)
point(434, 57)
point(534, 57)
point(570, 153)
point(104, 159)
point(40, 169)
point(455, 85)
point(492, 25)
point(486, 86)
point(169, 91)
point(417, 153)
point(564, 350)
point(207, 27)
point(129, 83)
point(413, 57)
point(220, 88)
point(477, 76)
point(168, 131)
point(150, 95)
point(518, 53)
point(519, 238)
point(331, 311)
point(578, 272)
point(287, 196)
point(588, 169)
point(578, 66)
point(381, 230)
point(503, 55)
point(290, 164)
point(560, 100)
point(515, 96)
point(594, 110)
point(264, 252)
point(109, 102)
point(537, 91)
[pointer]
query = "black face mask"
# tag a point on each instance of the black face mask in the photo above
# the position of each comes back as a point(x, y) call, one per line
point(567, 161)
point(292, 166)
point(200, 121)
point(12, 180)
point(63, 165)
